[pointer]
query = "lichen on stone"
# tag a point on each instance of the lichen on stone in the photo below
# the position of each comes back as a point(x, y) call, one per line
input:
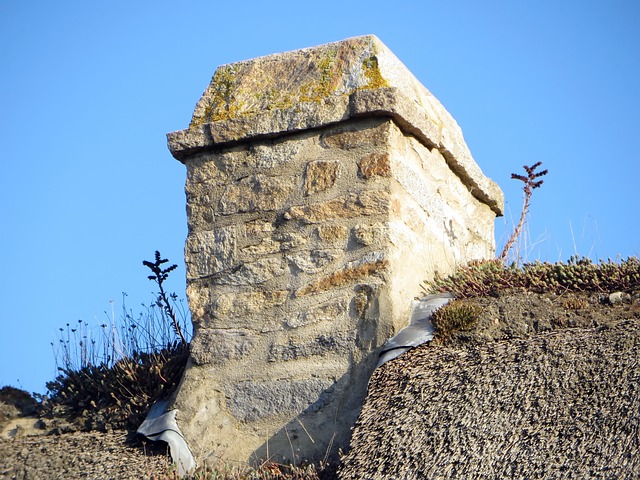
point(222, 103)
point(371, 70)
point(250, 88)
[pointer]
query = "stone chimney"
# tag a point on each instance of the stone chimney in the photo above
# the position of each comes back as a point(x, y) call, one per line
point(323, 186)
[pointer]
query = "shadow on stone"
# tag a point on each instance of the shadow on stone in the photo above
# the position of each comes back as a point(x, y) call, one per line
point(318, 439)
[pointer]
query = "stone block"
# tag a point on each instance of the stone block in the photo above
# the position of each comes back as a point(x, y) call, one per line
point(369, 234)
point(364, 295)
point(290, 240)
point(217, 346)
point(258, 228)
point(339, 343)
point(271, 155)
point(330, 234)
point(210, 252)
point(257, 193)
point(366, 203)
point(370, 265)
point(327, 312)
point(374, 164)
point(320, 176)
point(315, 260)
point(253, 273)
point(352, 138)
point(253, 400)
point(205, 168)
point(266, 246)
point(237, 305)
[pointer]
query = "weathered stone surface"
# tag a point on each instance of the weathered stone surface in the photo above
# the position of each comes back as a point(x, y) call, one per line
point(339, 343)
point(330, 234)
point(216, 346)
point(210, 252)
point(241, 304)
point(368, 234)
point(289, 240)
point(251, 400)
point(200, 217)
point(204, 168)
point(354, 271)
point(185, 142)
point(362, 299)
point(301, 117)
point(258, 228)
point(319, 176)
point(254, 194)
point(266, 246)
point(253, 273)
point(314, 260)
point(274, 154)
point(278, 242)
point(351, 138)
point(327, 312)
point(375, 202)
point(374, 164)
point(303, 77)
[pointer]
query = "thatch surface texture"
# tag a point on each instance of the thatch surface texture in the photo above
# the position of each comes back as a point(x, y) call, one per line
point(538, 390)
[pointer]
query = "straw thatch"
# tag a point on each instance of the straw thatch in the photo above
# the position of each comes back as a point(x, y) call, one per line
point(543, 388)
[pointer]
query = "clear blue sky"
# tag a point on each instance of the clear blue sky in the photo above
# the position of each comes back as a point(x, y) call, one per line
point(88, 91)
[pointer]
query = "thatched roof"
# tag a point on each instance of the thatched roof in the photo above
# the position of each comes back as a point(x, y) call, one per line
point(545, 387)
